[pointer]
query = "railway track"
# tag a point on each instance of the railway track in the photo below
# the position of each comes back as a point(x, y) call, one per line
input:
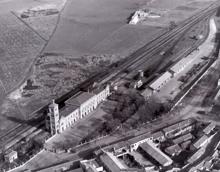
point(147, 52)
point(115, 71)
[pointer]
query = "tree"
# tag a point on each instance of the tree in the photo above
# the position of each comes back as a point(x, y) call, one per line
point(172, 25)
point(110, 125)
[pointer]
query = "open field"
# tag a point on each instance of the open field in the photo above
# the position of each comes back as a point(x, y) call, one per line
point(19, 47)
point(83, 29)
point(173, 10)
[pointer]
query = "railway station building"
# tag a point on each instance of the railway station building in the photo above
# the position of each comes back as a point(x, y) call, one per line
point(180, 65)
point(157, 84)
point(76, 108)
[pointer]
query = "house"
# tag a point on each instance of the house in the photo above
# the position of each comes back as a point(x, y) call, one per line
point(157, 84)
point(91, 165)
point(173, 150)
point(76, 108)
point(201, 142)
point(130, 145)
point(10, 156)
point(111, 163)
point(158, 136)
point(150, 149)
point(196, 155)
point(136, 141)
point(207, 130)
point(179, 128)
point(183, 138)
point(186, 144)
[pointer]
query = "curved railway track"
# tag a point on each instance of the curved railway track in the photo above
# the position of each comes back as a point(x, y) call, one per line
point(115, 71)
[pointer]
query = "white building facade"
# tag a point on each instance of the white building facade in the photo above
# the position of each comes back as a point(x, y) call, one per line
point(75, 108)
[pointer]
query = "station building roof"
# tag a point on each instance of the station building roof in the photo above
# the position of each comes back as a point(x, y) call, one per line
point(68, 109)
point(181, 64)
point(79, 98)
point(155, 84)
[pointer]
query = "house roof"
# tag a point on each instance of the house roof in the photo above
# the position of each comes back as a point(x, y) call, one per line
point(183, 62)
point(199, 142)
point(181, 124)
point(10, 153)
point(68, 109)
point(183, 138)
point(186, 144)
point(160, 80)
point(196, 155)
point(174, 149)
point(77, 170)
point(209, 128)
point(139, 138)
point(79, 99)
point(157, 135)
point(99, 89)
point(111, 162)
point(156, 153)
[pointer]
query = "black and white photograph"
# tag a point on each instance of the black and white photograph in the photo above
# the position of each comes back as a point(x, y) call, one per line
point(109, 86)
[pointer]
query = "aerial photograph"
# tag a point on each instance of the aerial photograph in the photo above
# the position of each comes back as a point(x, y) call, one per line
point(110, 86)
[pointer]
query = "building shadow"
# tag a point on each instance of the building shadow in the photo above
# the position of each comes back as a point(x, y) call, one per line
point(31, 122)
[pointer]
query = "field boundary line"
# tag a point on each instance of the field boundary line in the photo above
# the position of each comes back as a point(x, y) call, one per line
point(26, 24)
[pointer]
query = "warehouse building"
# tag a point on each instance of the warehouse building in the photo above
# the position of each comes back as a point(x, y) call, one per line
point(151, 150)
point(157, 84)
point(77, 107)
point(180, 66)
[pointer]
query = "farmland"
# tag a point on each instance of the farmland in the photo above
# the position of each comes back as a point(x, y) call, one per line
point(20, 45)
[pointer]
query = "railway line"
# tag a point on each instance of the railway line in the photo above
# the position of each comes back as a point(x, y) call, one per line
point(146, 54)
point(115, 71)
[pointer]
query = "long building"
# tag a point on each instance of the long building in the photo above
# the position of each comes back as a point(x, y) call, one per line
point(180, 65)
point(76, 108)
point(151, 150)
point(179, 128)
point(157, 84)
